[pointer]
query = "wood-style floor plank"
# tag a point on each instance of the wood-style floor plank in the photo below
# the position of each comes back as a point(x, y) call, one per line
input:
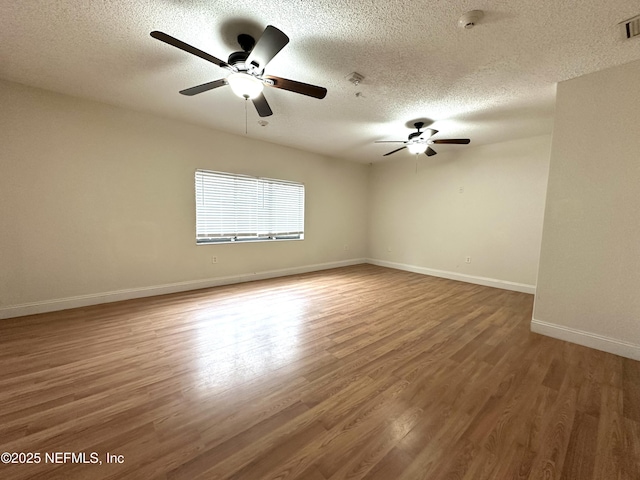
point(354, 373)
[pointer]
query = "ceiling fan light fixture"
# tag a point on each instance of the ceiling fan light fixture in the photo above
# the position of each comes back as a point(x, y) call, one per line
point(245, 85)
point(417, 148)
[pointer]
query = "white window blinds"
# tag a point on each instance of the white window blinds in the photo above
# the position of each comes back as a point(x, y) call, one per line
point(233, 207)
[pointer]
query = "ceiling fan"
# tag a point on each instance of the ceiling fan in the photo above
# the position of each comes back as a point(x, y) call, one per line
point(247, 77)
point(417, 143)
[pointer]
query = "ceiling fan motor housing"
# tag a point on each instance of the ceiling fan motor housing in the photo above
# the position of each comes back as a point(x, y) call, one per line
point(237, 59)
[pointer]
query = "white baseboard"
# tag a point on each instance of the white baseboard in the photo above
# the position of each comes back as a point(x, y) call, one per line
point(131, 293)
point(488, 282)
point(587, 339)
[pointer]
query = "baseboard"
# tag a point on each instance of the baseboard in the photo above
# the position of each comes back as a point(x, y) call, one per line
point(128, 294)
point(488, 282)
point(587, 339)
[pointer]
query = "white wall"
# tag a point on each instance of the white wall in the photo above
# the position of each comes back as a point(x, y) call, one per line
point(589, 278)
point(96, 199)
point(420, 221)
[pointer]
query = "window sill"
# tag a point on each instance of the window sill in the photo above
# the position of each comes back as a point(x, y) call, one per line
point(257, 240)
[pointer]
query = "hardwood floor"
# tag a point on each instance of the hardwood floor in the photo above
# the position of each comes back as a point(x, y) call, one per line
point(355, 373)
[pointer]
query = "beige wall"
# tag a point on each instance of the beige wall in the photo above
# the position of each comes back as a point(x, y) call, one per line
point(98, 199)
point(589, 278)
point(420, 221)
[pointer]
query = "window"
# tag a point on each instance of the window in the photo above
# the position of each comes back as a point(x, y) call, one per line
point(233, 208)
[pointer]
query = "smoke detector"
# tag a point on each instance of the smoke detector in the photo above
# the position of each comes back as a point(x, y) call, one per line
point(470, 19)
point(355, 78)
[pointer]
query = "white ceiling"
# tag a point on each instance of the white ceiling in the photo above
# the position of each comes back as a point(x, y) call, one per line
point(491, 83)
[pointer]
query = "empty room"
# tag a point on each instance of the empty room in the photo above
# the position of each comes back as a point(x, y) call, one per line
point(326, 240)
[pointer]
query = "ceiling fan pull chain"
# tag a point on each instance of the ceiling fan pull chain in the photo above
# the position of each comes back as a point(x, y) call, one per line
point(246, 99)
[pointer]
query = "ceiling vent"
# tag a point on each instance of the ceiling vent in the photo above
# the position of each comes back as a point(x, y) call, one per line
point(632, 27)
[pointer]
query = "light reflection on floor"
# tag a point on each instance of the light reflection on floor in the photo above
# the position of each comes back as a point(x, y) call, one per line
point(239, 341)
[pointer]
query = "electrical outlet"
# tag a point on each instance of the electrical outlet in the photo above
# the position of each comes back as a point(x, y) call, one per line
point(214, 259)
point(467, 260)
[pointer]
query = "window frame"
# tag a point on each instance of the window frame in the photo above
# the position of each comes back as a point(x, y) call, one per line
point(239, 195)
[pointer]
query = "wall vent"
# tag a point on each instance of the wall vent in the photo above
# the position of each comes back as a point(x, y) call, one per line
point(631, 27)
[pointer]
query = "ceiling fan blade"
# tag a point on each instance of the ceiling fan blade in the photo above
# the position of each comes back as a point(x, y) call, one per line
point(267, 47)
point(174, 42)
point(460, 141)
point(296, 87)
point(430, 152)
point(396, 150)
point(262, 106)
point(204, 87)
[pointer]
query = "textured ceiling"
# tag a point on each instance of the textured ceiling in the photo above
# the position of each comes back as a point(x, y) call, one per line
point(491, 83)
